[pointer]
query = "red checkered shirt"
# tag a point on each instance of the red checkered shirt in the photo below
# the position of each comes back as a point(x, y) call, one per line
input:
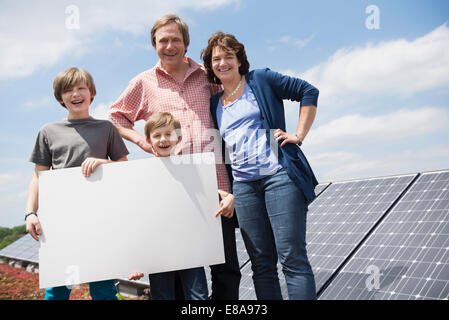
point(155, 90)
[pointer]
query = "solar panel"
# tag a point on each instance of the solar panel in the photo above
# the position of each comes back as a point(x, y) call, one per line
point(247, 291)
point(342, 216)
point(25, 249)
point(241, 250)
point(407, 255)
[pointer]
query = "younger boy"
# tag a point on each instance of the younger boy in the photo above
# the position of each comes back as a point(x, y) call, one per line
point(78, 140)
point(163, 133)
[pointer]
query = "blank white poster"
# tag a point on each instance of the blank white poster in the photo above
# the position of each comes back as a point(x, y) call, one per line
point(151, 215)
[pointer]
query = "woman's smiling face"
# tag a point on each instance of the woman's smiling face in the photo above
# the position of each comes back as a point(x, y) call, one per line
point(225, 64)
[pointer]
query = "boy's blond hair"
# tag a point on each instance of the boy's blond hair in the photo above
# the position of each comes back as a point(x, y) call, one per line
point(67, 79)
point(159, 120)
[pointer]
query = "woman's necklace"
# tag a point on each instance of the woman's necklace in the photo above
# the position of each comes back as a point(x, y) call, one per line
point(228, 95)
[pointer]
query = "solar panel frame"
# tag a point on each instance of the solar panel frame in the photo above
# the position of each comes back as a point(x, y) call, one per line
point(320, 188)
point(409, 250)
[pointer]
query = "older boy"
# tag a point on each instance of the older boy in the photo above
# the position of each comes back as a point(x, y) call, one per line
point(78, 140)
point(163, 133)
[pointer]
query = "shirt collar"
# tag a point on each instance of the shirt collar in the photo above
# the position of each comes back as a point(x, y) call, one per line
point(193, 66)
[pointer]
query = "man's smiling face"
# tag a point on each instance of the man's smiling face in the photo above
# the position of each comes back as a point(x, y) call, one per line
point(170, 46)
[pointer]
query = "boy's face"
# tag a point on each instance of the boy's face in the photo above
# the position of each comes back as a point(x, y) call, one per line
point(77, 100)
point(163, 140)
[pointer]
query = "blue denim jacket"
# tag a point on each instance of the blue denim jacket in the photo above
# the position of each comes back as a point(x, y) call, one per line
point(270, 88)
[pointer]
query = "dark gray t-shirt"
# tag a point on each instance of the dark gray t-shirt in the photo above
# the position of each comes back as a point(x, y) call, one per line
point(67, 143)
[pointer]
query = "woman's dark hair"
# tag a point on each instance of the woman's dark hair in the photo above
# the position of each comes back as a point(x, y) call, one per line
point(228, 43)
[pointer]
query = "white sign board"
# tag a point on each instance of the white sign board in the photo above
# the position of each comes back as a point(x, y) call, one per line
point(151, 215)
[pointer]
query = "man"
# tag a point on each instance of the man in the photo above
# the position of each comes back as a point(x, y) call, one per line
point(179, 85)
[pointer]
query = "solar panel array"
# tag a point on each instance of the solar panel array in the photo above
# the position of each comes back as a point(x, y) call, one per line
point(24, 249)
point(338, 219)
point(407, 256)
point(342, 216)
point(378, 238)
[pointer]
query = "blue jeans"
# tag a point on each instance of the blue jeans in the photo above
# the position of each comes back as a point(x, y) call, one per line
point(194, 284)
point(99, 290)
point(272, 216)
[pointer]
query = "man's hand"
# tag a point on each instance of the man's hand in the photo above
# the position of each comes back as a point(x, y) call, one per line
point(135, 137)
point(33, 227)
point(145, 146)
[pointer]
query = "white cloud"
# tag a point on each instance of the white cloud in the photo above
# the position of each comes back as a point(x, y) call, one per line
point(357, 146)
point(35, 104)
point(338, 166)
point(298, 43)
point(101, 111)
point(12, 180)
point(356, 130)
point(392, 68)
point(6, 179)
point(344, 144)
point(34, 35)
point(288, 40)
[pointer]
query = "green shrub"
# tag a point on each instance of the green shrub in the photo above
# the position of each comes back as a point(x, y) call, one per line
point(9, 235)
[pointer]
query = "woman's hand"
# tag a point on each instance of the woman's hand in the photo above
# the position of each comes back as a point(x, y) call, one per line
point(287, 137)
point(226, 205)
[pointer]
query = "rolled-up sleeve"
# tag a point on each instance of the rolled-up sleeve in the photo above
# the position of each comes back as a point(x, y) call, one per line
point(292, 88)
point(310, 96)
point(125, 111)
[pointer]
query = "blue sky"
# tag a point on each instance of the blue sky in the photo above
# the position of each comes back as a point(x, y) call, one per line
point(383, 106)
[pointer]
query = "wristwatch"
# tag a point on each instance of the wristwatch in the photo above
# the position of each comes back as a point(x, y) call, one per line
point(300, 141)
point(29, 214)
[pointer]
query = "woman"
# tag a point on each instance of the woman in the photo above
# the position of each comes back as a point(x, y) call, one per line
point(272, 180)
